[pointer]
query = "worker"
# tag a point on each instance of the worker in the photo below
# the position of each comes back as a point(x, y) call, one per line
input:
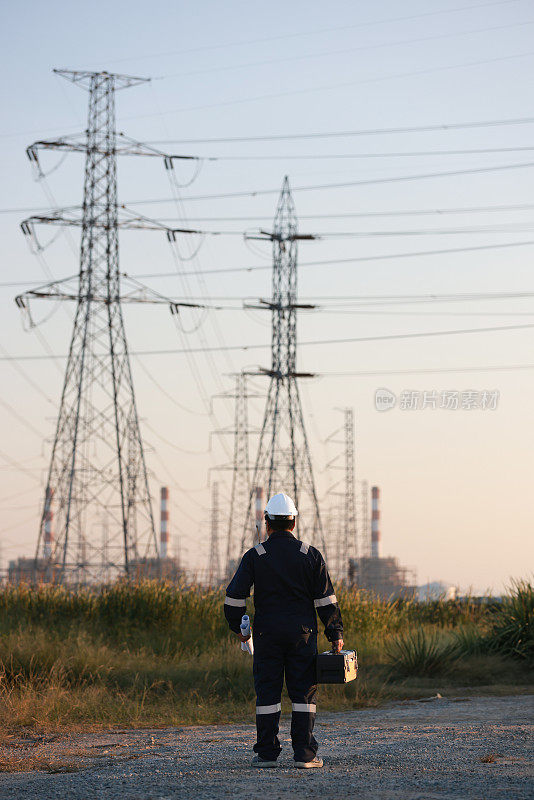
point(291, 582)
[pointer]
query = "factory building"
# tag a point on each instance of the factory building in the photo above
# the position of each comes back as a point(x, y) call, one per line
point(384, 577)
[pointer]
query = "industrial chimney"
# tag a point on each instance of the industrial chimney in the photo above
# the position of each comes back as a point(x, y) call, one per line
point(375, 522)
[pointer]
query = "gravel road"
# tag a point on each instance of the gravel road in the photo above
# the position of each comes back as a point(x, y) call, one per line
point(440, 749)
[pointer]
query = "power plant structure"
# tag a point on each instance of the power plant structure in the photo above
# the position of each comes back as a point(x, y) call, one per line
point(384, 577)
point(97, 475)
point(97, 465)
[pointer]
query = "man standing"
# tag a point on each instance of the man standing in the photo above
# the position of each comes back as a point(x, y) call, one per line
point(291, 582)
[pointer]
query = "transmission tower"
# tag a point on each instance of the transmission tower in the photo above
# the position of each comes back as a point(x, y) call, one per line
point(214, 563)
point(239, 466)
point(342, 493)
point(283, 461)
point(349, 511)
point(241, 472)
point(97, 464)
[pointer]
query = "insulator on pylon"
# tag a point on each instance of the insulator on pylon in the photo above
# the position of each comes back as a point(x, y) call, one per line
point(48, 523)
point(375, 522)
point(164, 522)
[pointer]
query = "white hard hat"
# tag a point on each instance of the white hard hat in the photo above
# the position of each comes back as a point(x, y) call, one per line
point(281, 505)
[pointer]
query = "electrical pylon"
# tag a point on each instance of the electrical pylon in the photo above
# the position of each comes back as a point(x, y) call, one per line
point(350, 533)
point(240, 491)
point(283, 461)
point(345, 528)
point(97, 465)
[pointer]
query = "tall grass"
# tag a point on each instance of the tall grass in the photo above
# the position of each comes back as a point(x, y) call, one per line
point(513, 631)
point(419, 653)
point(158, 654)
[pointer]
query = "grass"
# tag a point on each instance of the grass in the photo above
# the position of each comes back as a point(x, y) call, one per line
point(131, 656)
point(419, 653)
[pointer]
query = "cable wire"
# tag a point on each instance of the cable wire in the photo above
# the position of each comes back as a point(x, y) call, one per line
point(308, 343)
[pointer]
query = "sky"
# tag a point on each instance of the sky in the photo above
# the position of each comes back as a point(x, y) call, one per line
point(455, 483)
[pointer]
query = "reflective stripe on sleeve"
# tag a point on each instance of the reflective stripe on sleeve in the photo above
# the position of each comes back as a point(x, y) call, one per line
point(304, 548)
point(269, 709)
point(325, 601)
point(234, 601)
point(260, 549)
point(309, 708)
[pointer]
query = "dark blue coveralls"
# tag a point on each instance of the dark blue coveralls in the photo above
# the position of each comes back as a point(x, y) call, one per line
point(290, 582)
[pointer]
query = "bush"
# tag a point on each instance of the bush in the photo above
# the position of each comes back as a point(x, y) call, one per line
point(513, 630)
point(471, 641)
point(420, 654)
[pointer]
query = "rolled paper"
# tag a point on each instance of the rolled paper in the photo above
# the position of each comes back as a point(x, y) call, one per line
point(247, 646)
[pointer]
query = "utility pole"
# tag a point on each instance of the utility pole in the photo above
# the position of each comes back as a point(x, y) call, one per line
point(98, 460)
point(283, 461)
point(214, 564)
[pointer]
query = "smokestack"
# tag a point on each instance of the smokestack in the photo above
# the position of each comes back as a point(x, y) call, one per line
point(375, 521)
point(48, 523)
point(259, 511)
point(164, 522)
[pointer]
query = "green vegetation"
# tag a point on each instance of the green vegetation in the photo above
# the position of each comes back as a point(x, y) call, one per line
point(419, 653)
point(513, 633)
point(155, 654)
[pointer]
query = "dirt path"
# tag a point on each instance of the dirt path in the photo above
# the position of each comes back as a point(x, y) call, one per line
point(472, 749)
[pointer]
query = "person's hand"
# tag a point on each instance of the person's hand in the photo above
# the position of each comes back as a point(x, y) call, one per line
point(243, 638)
point(337, 647)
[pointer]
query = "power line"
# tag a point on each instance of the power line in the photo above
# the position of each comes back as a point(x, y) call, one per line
point(343, 185)
point(429, 370)
point(450, 126)
point(513, 228)
point(359, 214)
point(354, 259)
point(299, 34)
point(340, 215)
point(392, 154)
point(329, 87)
point(313, 342)
point(317, 187)
point(345, 51)
point(344, 300)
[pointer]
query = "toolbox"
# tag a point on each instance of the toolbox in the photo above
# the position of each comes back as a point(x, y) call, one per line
point(337, 667)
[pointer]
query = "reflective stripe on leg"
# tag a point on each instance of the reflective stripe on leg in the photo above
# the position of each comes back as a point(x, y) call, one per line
point(273, 709)
point(308, 708)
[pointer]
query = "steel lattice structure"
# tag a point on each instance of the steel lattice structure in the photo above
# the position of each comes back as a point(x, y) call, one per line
point(283, 461)
point(240, 491)
point(350, 534)
point(214, 559)
point(97, 467)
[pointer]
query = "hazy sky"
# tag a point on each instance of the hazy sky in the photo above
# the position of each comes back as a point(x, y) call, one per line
point(456, 484)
